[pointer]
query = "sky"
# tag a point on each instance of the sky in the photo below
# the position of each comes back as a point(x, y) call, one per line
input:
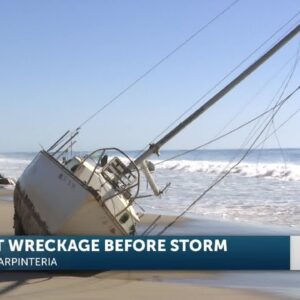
point(62, 60)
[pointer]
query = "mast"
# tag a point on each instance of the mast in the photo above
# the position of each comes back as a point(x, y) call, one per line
point(154, 148)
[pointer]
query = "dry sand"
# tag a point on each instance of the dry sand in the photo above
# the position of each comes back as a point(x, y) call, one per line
point(108, 285)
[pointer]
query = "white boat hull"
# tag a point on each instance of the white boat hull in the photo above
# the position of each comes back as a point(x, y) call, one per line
point(49, 199)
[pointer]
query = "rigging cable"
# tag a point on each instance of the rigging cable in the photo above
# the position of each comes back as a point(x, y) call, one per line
point(255, 129)
point(280, 92)
point(284, 87)
point(278, 105)
point(227, 172)
point(223, 79)
point(254, 97)
point(223, 135)
point(157, 64)
point(280, 126)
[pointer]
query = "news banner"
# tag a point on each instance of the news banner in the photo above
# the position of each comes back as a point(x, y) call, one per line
point(63, 253)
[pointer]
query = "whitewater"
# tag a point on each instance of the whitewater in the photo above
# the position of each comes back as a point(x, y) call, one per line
point(263, 189)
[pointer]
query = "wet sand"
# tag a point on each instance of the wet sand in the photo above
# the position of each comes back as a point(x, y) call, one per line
point(112, 284)
point(6, 217)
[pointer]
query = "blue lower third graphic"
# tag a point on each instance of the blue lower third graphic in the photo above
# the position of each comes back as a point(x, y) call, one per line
point(145, 253)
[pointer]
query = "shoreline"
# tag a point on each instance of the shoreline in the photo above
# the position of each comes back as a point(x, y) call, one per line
point(185, 225)
point(114, 284)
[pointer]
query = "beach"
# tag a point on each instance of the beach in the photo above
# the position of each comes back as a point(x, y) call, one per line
point(255, 200)
point(263, 189)
point(118, 284)
point(171, 123)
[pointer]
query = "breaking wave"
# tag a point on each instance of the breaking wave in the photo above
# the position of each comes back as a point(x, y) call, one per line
point(13, 167)
point(290, 172)
point(13, 161)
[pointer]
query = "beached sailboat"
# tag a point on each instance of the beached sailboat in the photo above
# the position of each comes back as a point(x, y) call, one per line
point(94, 194)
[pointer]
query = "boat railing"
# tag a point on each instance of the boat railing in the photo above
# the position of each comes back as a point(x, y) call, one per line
point(64, 145)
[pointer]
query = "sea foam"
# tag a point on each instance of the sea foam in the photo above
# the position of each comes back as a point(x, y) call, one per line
point(273, 170)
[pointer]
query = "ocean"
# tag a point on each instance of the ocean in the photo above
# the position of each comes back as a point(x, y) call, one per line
point(263, 189)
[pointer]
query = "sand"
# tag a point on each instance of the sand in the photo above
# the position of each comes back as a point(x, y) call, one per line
point(110, 285)
point(6, 217)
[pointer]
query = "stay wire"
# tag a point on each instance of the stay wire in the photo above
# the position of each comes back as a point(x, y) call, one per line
point(280, 91)
point(254, 97)
point(224, 78)
point(284, 88)
point(153, 225)
point(277, 106)
point(225, 174)
point(230, 131)
point(157, 64)
point(250, 136)
point(280, 126)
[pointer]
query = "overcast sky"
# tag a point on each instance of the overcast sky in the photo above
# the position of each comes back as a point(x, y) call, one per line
point(62, 60)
